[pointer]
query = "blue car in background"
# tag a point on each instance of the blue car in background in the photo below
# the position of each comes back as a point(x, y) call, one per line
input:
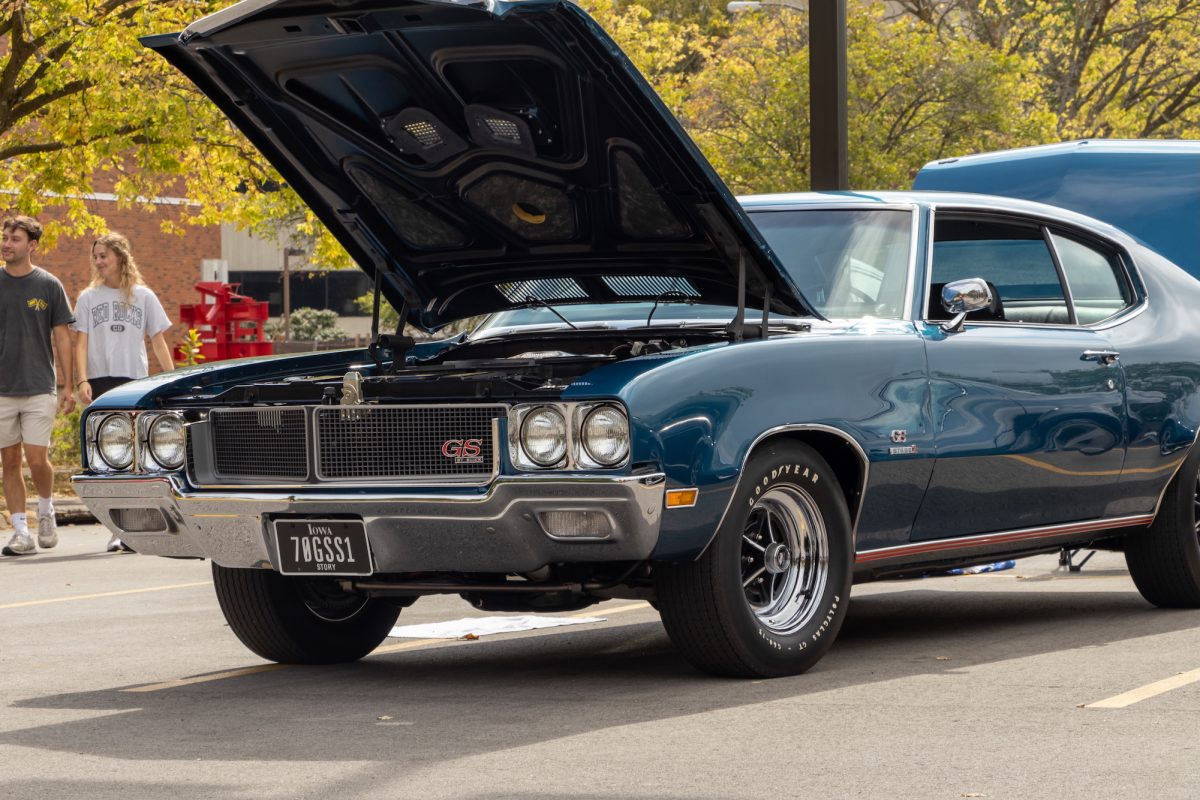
point(1149, 188)
point(734, 410)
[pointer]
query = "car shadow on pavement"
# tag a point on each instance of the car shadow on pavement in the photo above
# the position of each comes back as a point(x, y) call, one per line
point(422, 707)
point(42, 558)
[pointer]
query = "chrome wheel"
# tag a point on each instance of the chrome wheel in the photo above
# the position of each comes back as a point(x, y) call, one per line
point(785, 559)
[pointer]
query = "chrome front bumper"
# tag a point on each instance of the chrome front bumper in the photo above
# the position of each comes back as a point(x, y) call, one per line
point(500, 531)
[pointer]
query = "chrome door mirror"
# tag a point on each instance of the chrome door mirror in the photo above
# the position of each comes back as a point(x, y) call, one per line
point(962, 297)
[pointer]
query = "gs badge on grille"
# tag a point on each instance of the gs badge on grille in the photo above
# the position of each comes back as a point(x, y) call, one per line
point(463, 451)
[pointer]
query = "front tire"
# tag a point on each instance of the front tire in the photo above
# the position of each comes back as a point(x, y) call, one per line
point(300, 620)
point(1164, 559)
point(768, 596)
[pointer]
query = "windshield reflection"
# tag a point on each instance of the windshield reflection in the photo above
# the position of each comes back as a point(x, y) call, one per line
point(849, 264)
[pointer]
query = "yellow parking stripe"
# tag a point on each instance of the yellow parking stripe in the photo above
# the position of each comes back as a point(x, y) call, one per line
point(69, 598)
point(416, 644)
point(1149, 690)
point(618, 610)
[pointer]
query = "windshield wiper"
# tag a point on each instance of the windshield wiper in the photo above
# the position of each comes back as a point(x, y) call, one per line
point(670, 295)
point(530, 300)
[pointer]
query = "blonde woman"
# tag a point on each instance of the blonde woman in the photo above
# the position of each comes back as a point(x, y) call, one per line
point(113, 317)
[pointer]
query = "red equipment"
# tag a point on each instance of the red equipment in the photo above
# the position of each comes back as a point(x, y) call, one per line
point(231, 326)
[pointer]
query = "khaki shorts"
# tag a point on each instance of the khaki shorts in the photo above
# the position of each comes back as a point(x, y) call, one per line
point(27, 419)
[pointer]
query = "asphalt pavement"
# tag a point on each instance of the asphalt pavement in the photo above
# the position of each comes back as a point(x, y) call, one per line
point(120, 679)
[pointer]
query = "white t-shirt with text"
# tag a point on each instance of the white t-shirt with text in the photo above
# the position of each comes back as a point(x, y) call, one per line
point(117, 330)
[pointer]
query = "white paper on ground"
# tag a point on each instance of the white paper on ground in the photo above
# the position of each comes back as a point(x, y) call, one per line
point(482, 626)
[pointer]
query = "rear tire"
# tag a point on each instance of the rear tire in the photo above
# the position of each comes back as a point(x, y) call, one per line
point(768, 596)
point(1164, 559)
point(300, 620)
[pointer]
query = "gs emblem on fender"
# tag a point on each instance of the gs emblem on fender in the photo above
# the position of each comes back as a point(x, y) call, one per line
point(463, 451)
point(37, 304)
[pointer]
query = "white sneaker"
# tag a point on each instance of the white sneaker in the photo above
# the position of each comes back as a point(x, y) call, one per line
point(115, 545)
point(47, 530)
point(21, 544)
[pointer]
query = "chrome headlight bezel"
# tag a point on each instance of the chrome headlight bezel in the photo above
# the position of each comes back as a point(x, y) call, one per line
point(121, 426)
point(140, 424)
point(589, 453)
point(561, 438)
point(577, 456)
point(150, 456)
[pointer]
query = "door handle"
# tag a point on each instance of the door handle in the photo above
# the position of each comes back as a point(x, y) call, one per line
point(1103, 357)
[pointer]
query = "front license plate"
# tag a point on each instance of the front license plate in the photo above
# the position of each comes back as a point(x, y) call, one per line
point(322, 547)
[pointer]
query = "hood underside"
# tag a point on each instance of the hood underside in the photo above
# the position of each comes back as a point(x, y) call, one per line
point(479, 156)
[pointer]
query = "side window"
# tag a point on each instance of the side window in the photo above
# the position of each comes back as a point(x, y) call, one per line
point(1098, 287)
point(1012, 257)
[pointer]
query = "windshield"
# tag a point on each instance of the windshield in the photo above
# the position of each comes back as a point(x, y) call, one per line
point(848, 262)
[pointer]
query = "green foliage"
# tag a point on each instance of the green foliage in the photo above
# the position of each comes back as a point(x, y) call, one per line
point(916, 98)
point(190, 348)
point(912, 98)
point(389, 318)
point(84, 107)
point(313, 325)
point(1120, 68)
point(64, 442)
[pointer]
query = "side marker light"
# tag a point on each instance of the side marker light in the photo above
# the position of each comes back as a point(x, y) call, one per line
point(682, 498)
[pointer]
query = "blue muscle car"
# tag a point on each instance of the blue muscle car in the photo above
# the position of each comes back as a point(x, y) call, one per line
point(734, 410)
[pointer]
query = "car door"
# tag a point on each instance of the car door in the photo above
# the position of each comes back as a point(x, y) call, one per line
point(1027, 403)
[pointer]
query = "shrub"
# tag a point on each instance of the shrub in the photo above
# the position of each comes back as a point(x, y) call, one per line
point(311, 324)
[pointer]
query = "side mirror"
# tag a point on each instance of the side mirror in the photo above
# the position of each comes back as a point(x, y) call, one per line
point(962, 297)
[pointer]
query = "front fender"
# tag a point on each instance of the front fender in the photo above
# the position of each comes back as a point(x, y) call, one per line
point(698, 415)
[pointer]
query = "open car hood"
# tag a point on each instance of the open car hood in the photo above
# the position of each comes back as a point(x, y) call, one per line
point(479, 155)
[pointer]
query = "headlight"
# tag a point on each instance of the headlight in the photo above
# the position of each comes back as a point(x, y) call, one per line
point(544, 436)
point(165, 441)
point(605, 436)
point(114, 441)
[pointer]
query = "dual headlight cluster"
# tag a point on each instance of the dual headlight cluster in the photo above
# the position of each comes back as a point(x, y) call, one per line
point(568, 436)
point(122, 441)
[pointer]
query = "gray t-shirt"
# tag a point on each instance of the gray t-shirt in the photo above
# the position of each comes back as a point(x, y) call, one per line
point(117, 326)
point(30, 307)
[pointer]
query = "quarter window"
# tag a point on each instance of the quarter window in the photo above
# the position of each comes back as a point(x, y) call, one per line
point(1098, 287)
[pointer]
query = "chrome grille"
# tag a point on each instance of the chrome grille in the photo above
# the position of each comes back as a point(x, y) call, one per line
point(444, 443)
point(260, 442)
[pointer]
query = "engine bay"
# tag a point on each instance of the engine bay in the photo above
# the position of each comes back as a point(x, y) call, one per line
point(515, 365)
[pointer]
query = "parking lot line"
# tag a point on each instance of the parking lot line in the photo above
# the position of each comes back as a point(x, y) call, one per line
point(416, 644)
point(118, 593)
point(1149, 690)
point(618, 610)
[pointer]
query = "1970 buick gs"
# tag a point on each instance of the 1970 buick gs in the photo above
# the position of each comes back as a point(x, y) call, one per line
point(735, 410)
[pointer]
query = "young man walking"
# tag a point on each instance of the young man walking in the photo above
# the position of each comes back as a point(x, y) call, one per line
point(34, 311)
